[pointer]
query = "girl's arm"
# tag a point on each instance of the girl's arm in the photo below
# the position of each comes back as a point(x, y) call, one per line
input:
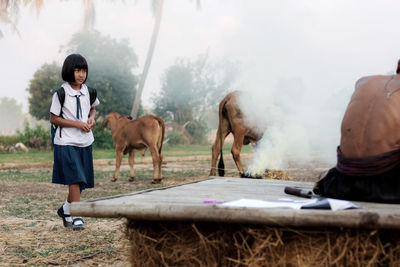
point(92, 115)
point(54, 119)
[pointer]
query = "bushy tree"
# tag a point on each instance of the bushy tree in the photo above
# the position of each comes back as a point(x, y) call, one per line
point(110, 72)
point(177, 97)
point(45, 81)
point(12, 115)
point(191, 88)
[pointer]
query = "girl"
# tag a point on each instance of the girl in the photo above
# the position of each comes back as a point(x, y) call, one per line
point(73, 162)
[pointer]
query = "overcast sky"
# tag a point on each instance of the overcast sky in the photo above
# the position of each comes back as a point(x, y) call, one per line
point(328, 45)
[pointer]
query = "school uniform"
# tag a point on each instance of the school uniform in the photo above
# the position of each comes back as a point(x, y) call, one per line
point(73, 160)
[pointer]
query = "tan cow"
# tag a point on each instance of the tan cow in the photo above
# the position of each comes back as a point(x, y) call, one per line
point(142, 133)
point(231, 120)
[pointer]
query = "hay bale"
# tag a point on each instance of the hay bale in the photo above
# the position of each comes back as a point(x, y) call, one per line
point(277, 175)
point(218, 244)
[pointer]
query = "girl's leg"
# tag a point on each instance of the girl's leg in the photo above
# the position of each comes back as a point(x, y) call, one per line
point(74, 193)
point(73, 196)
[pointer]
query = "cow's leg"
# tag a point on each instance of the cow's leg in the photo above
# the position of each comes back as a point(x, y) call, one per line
point(216, 148)
point(131, 161)
point(118, 160)
point(160, 165)
point(236, 148)
point(156, 164)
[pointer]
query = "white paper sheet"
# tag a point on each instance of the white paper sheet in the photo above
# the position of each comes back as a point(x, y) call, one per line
point(255, 203)
point(335, 204)
point(338, 204)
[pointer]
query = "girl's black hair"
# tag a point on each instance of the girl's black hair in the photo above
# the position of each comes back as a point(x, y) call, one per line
point(72, 62)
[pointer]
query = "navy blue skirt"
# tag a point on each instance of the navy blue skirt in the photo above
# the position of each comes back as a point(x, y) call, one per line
point(73, 165)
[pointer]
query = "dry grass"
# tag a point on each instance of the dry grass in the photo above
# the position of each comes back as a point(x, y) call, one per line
point(277, 175)
point(47, 242)
point(216, 244)
point(31, 234)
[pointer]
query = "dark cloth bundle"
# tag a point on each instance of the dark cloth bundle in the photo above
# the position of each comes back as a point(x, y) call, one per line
point(367, 166)
point(383, 188)
point(374, 179)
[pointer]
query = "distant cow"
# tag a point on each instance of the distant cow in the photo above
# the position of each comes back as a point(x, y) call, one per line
point(231, 120)
point(142, 133)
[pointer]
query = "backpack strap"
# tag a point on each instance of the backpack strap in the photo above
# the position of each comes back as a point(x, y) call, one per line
point(61, 97)
point(92, 94)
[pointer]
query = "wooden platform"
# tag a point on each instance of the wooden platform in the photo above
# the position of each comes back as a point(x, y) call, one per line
point(186, 203)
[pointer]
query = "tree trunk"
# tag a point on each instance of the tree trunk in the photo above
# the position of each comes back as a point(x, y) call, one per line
point(150, 52)
point(89, 15)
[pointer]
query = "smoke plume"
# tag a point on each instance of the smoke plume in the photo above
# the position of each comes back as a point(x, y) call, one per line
point(299, 125)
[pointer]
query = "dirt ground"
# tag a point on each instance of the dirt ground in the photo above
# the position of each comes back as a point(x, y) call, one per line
point(31, 234)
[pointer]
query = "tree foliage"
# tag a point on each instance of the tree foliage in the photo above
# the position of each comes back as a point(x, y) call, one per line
point(110, 71)
point(12, 115)
point(45, 81)
point(191, 88)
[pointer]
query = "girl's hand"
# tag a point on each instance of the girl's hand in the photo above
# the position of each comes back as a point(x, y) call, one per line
point(83, 126)
point(91, 122)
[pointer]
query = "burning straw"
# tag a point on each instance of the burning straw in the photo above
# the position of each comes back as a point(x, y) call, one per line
point(277, 175)
point(218, 244)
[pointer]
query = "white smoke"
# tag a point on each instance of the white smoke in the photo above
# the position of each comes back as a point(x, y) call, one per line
point(299, 125)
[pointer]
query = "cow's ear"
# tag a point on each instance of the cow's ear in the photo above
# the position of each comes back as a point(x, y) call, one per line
point(398, 67)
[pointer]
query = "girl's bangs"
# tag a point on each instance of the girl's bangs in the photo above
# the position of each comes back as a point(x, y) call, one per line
point(80, 63)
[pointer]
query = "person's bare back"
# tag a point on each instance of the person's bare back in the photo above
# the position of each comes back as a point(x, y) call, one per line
point(371, 123)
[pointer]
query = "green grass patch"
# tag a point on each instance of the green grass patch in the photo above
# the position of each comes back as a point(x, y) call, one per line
point(174, 151)
point(33, 156)
point(38, 156)
point(26, 175)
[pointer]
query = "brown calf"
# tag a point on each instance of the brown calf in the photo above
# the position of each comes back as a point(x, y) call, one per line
point(142, 133)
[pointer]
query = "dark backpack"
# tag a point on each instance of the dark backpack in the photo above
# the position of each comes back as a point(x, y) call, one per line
point(61, 97)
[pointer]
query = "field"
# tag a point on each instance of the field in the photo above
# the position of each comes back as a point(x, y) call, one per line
point(31, 233)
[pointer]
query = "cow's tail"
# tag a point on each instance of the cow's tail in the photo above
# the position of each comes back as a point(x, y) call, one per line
point(104, 123)
point(221, 165)
point(162, 124)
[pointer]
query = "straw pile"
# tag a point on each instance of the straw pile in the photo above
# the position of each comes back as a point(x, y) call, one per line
point(217, 244)
point(277, 175)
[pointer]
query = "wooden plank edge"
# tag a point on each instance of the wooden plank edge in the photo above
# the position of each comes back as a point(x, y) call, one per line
point(216, 213)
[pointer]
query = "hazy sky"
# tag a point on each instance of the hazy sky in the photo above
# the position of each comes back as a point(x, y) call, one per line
point(326, 44)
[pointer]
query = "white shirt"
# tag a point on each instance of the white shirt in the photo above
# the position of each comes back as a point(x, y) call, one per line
point(73, 136)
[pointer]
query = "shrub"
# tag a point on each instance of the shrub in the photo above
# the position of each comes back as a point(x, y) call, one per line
point(8, 140)
point(198, 131)
point(103, 138)
point(176, 138)
point(37, 137)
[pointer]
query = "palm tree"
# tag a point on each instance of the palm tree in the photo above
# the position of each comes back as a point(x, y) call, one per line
point(9, 12)
point(89, 15)
point(158, 4)
point(157, 10)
